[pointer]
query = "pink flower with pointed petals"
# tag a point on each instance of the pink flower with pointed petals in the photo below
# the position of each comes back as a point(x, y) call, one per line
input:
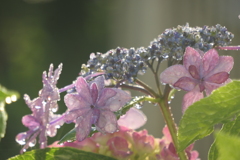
point(94, 104)
point(199, 72)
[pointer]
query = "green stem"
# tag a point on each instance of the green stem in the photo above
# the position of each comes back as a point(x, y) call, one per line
point(148, 88)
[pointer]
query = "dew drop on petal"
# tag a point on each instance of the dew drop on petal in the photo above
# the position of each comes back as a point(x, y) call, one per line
point(37, 107)
point(57, 126)
point(21, 138)
point(32, 143)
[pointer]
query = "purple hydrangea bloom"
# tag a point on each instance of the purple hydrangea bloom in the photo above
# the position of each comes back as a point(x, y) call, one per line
point(199, 72)
point(94, 104)
point(43, 108)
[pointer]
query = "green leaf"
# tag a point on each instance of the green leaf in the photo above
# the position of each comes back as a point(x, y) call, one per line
point(228, 146)
point(3, 119)
point(232, 128)
point(64, 153)
point(10, 96)
point(70, 136)
point(199, 119)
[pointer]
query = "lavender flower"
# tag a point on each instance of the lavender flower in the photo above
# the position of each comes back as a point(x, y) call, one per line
point(94, 104)
point(199, 72)
point(43, 108)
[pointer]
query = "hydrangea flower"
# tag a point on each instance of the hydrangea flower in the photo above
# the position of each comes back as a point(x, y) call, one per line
point(43, 108)
point(168, 151)
point(94, 104)
point(199, 72)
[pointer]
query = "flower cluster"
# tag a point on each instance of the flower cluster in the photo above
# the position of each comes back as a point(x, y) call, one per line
point(127, 144)
point(125, 64)
point(172, 42)
point(199, 72)
point(92, 104)
point(119, 63)
point(43, 109)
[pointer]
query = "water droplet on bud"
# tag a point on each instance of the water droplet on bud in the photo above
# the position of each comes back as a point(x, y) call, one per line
point(138, 106)
point(33, 143)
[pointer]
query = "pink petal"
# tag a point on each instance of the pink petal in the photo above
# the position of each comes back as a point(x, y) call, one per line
point(189, 98)
point(83, 89)
point(83, 126)
point(192, 57)
point(225, 64)
point(74, 101)
point(167, 134)
point(186, 83)
point(30, 122)
point(107, 122)
point(194, 72)
point(218, 78)
point(173, 74)
point(119, 147)
point(73, 114)
point(210, 61)
point(133, 119)
point(94, 92)
point(116, 101)
point(209, 87)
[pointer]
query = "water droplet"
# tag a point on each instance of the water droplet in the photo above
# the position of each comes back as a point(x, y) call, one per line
point(8, 100)
point(163, 83)
point(93, 128)
point(69, 141)
point(33, 143)
point(24, 150)
point(20, 138)
point(13, 98)
point(138, 106)
point(57, 126)
point(54, 108)
point(172, 97)
point(169, 102)
point(37, 107)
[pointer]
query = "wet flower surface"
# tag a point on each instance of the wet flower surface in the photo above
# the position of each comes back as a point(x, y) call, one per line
point(94, 104)
point(199, 72)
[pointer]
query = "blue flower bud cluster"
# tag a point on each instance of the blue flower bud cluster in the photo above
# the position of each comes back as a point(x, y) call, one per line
point(172, 42)
point(125, 64)
point(119, 63)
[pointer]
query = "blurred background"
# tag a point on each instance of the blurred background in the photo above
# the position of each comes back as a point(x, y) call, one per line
point(36, 33)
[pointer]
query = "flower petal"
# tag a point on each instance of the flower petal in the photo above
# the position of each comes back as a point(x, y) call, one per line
point(83, 126)
point(186, 83)
point(218, 78)
point(212, 86)
point(133, 119)
point(117, 101)
point(107, 122)
point(210, 61)
point(94, 92)
point(173, 74)
point(192, 57)
point(74, 101)
point(189, 98)
point(99, 82)
point(104, 96)
point(225, 64)
point(83, 89)
point(30, 122)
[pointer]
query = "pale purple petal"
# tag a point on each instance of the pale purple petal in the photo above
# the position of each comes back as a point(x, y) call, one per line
point(210, 61)
point(83, 126)
point(107, 122)
point(94, 92)
point(192, 57)
point(104, 96)
point(225, 64)
point(218, 78)
point(194, 72)
point(186, 83)
point(118, 100)
point(189, 98)
point(74, 101)
point(73, 114)
point(99, 82)
point(83, 89)
point(30, 122)
point(173, 74)
point(133, 119)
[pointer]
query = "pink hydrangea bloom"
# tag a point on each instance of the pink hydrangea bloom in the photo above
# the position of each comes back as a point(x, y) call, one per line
point(199, 72)
point(94, 104)
point(168, 151)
